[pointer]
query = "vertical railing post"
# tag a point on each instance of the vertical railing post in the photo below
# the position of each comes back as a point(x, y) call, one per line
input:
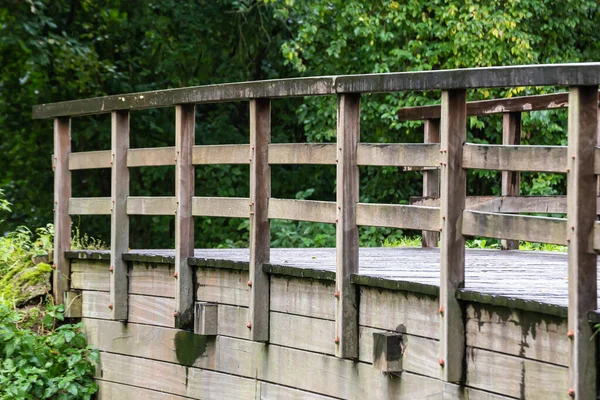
point(62, 219)
point(511, 180)
point(581, 214)
point(452, 245)
point(185, 124)
point(347, 187)
point(260, 232)
point(119, 220)
point(431, 181)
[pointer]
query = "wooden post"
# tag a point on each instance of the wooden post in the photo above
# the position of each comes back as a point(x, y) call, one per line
point(62, 219)
point(431, 181)
point(581, 213)
point(452, 251)
point(260, 231)
point(185, 123)
point(511, 181)
point(119, 224)
point(346, 312)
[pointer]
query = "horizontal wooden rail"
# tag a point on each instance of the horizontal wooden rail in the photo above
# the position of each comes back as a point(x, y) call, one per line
point(90, 160)
point(151, 157)
point(151, 206)
point(89, 206)
point(399, 154)
point(302, 210)
point(302, 153)
point(468, 78)
point(233, 207)
point(398, 216)
point(515, 158)
point(515, 227)
point(221, 154)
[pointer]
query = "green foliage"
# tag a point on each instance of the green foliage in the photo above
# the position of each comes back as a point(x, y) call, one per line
point(48, 362)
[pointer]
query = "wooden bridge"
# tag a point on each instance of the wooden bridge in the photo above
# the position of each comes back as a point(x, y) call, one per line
point(317, 323)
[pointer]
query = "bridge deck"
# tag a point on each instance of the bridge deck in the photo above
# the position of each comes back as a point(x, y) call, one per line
point(535, 277)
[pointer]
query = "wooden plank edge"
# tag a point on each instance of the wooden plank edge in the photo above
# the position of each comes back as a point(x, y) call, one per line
point(217, 263)
point(511, 302)
point(149, 258)
point(103, 255)
point(300, 272)
point(392, 284)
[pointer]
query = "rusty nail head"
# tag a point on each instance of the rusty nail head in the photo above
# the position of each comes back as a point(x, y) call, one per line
point(337, 339)
point(440, 228)
point(336, 220)
point(441, 310)
point(53, 266)
point(175, 275)
point(339, 207)
point(570, 334)
point(571, 392)
point(249, 325)
point(443, 217)
point(176, 314)
point(112, 268)
point(568, 239)
point(441, 362)
point(573, 227)
point(110, 306)
point(250, 283)
point(573, 156)
point(568, 169)
point(337, 294)
point(251, 212)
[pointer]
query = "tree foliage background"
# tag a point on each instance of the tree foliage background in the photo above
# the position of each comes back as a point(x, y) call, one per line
point(55, 50)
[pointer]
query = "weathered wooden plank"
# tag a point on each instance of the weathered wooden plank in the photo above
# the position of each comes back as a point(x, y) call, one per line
point(494, 106)
point(142, 309)
point(515, 376)
point(581, 192)
point(151, 157)
point(90, 160)
point(62, 219)
point(233, 320)
point(151, 205)
point(89, 206)
point(511, 181)
point(453, 132)
point(233, 207)
point(399, 311)
point(89, 275)
point(260, 231)
point(515, 158)
point(185, 125)
point(470, 78)
point(223, 286)
point(119, 220)
point(221, 154)
point(295, 87)
point(112, 391)
point(303, 333)
point(347, 183)
point(72, 302)
point(152, 279)
point(302, 210)
point(399, 154)
point(309, 298)
point(206, 318)
point(519, 333)
point(596, 235)
point(506, 204)
point(516, 227)
point(269, 391)
point(302, 153)
point(398, 216)
point(431, 179)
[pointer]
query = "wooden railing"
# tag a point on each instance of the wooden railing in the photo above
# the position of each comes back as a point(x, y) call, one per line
point(451, 217)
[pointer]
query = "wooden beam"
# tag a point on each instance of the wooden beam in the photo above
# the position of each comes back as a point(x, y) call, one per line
point(260, 232)
point(302, 210)
point(431, 179)
point(398, 216)
point(62, 219)
point(119, 220)
point(231, 207)
point(347, 183)
point(511, 181)
point(220, 154)
point(515, 158)
point(453, 132)
point(581, 193)
point(90, 206)
point(151, 205)
point(185, 124)
point(151, 157)
point(89, 160)
point(515, 227)
point(506, 204)
point(398, 154)
point(302, 153)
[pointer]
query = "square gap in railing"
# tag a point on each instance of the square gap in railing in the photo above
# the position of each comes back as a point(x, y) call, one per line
point(151, 232)
point(91, 183)
point(90, 232)
point(222, 123)
point(152, 181)
point(222, 180)
point(90, 133)
point(151, 128)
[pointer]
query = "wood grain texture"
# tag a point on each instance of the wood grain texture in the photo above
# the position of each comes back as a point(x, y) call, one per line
point(269, 391)
point(233, 207)
point(581, 192)
point(511, 181)
point(297, 296)
point(302, 210)
point(223, 286)
point(302, 153)
point(62, 219)
point(220, 154)
point(515, 158)
point(142, 309)
point(260, 232)
point(89, 160)
point(119, 220)
point(398, 154)
point(151, 157)
point(139, 205)
point(431, 179)
point(515, 227)
point(347, 195)
point(453, 132)
point(506, 204)
point(90, 206)
point(185, 125)
point(398, 216)
point(113, 391)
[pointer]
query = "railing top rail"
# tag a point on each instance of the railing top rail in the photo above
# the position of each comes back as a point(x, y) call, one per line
point(468, 78)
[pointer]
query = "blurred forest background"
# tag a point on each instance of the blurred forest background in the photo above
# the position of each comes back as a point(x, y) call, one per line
point(56, 50)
